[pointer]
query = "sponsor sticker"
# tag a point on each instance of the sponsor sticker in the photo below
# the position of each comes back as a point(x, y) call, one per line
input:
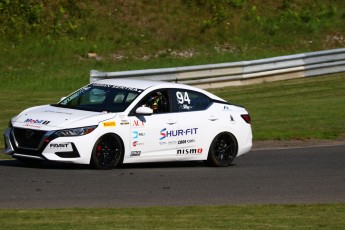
point(36, 121)
point(118, 87)
point(33, 126)
point(109, 124)
point(137, 143)
point(164, 133)
point(189, 151)
point(180, 142)
point(137, 134)
point(135, 153)
point(61, 147)
point(59, 112)
point(138, 123)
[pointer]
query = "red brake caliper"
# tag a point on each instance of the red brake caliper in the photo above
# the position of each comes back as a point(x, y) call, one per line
point(99, 148)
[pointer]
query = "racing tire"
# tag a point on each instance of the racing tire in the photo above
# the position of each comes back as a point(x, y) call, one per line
point(107, 152)
point(223, 150)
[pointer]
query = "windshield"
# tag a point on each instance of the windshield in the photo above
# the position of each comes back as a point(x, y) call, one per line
point(100, 98)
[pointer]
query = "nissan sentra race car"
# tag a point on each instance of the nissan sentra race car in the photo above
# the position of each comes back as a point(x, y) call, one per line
point(117, 121)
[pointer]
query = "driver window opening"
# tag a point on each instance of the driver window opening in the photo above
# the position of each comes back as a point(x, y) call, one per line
point(158, 101)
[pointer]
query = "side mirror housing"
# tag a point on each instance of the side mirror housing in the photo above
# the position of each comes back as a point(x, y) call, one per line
point(144, 111)
point(63, 98)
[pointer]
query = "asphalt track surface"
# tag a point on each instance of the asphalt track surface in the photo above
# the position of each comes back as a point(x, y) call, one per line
point(280, 176)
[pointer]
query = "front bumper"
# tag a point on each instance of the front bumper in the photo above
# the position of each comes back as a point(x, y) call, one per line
point(43, 146)
point(9, 150)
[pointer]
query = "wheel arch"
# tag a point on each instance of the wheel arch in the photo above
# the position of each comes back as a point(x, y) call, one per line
point(113, 135)
point(230, 136)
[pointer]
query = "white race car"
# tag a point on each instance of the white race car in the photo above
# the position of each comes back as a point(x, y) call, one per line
point(117, 121)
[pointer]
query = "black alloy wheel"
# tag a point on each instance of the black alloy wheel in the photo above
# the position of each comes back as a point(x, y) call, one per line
point(223, 150)
point(107, 152)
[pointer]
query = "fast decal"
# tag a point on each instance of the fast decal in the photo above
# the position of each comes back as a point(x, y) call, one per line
point(182, 98)
point(109, 124)
point(118, 87)
point(164, 133)
point(36, 121)
point(61, 146)
point(189, 151)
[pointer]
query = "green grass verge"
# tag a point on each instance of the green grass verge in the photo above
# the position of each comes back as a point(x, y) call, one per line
point(306, 108)
point(330, 216)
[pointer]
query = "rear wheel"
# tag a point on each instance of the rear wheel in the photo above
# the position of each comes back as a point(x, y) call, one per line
point(107, 152)
point(223, 150)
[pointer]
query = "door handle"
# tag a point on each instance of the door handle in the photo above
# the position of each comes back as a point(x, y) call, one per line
point(213, 118)
point(171, 122)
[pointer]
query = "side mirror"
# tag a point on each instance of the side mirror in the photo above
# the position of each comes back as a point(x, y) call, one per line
point(63, 98)
point(143, 110)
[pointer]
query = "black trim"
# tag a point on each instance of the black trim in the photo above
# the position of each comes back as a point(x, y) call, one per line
point(72, 154)
point(220, 102)
point(225, 103)
point(6, 146)
point(32, 152)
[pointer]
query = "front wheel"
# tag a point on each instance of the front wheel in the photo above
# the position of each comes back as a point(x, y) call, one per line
point(107, 152)
point(223, 150)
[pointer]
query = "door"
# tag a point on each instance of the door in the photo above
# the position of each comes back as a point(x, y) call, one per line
point(194, 123)
point(155, 135)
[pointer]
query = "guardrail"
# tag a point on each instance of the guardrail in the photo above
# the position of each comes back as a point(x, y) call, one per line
point(241, 73)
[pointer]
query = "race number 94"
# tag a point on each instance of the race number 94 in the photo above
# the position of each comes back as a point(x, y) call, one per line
point(182, 98)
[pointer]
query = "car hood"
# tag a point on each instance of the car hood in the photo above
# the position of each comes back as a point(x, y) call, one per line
point(49, 117)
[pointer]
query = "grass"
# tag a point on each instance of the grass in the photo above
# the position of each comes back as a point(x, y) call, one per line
point(308, 108)
point(331, 216)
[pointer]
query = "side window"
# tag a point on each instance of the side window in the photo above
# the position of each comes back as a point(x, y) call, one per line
point(158, 101)
point(187, 100)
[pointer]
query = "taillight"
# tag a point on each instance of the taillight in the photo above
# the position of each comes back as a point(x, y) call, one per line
point(246, 118)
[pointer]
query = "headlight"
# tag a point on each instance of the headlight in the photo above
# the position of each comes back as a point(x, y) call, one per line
point(75, 132)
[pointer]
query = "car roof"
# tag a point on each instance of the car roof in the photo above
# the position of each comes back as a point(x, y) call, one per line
point(131, 82)
point(145, 84)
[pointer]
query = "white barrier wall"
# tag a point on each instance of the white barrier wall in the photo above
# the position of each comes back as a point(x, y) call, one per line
point(241, 73)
